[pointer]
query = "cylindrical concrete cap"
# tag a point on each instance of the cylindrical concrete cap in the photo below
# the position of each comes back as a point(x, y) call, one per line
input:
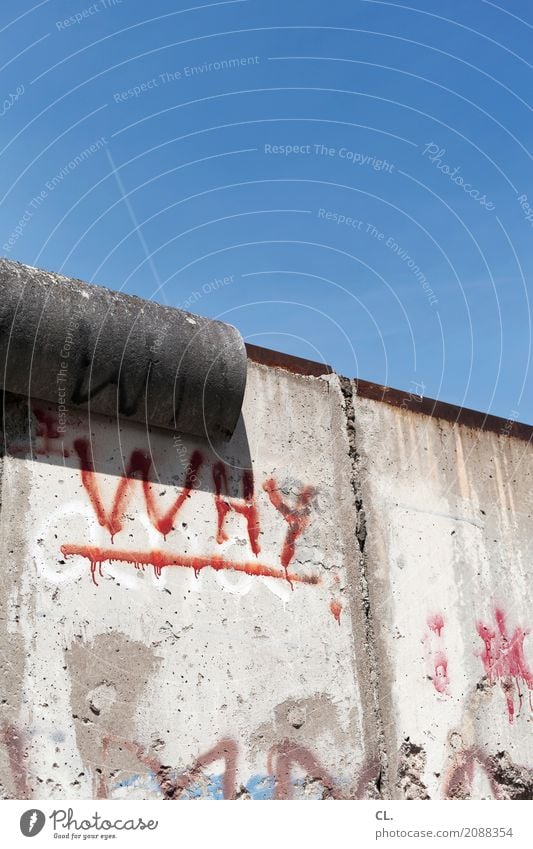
point(82, 346)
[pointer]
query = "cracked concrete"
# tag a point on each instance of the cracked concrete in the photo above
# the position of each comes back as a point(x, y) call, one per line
point(196, 655)
point(448, 549)
point(344, 614)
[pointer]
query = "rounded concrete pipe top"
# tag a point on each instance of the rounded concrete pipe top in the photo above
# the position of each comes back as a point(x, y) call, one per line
point(82, 346)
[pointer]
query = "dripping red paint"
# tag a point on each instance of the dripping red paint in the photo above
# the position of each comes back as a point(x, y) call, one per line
point(159, 559)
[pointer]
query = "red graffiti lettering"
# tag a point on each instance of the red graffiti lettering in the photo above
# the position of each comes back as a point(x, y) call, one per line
point(47, 425)
point(281, 760)
point(139, 465)
point(504, 661)
point(286, 755)
point(47, 435)
point(227, 751)
point(112, 519)
point(172, 783)
point(165, 523)
point(245, 507)
point(297, 517)
point(138, 470)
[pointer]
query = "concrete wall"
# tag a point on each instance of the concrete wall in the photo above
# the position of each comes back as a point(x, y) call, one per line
point(449, 554)
point(185, 642)
point(334, 604)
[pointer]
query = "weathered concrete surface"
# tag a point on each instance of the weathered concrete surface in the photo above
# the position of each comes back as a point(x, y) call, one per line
point(180, 620)
point(88, 347)
point(334, 604)
point(449, 562)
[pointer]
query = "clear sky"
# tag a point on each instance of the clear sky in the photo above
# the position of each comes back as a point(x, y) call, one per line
point(345, 180)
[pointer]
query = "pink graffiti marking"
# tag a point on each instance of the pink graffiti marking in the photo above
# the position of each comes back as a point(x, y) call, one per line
point(436, 624)
point(440, 675)
point(439, 661)
point(504, 660)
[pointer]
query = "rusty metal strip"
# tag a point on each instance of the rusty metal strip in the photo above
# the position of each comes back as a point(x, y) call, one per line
point(275, 359)
point(441, 410)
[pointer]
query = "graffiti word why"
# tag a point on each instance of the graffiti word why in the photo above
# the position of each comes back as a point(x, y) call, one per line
point(296, 515)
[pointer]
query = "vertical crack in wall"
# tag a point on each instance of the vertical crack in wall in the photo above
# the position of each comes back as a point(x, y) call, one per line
point(360, 538)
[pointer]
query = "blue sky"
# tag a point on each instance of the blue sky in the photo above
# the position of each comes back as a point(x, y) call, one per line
point(345, 181)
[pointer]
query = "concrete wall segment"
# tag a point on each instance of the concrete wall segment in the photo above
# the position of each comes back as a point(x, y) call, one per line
point(449, 552)
point(334, 603)
point(145, 671)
